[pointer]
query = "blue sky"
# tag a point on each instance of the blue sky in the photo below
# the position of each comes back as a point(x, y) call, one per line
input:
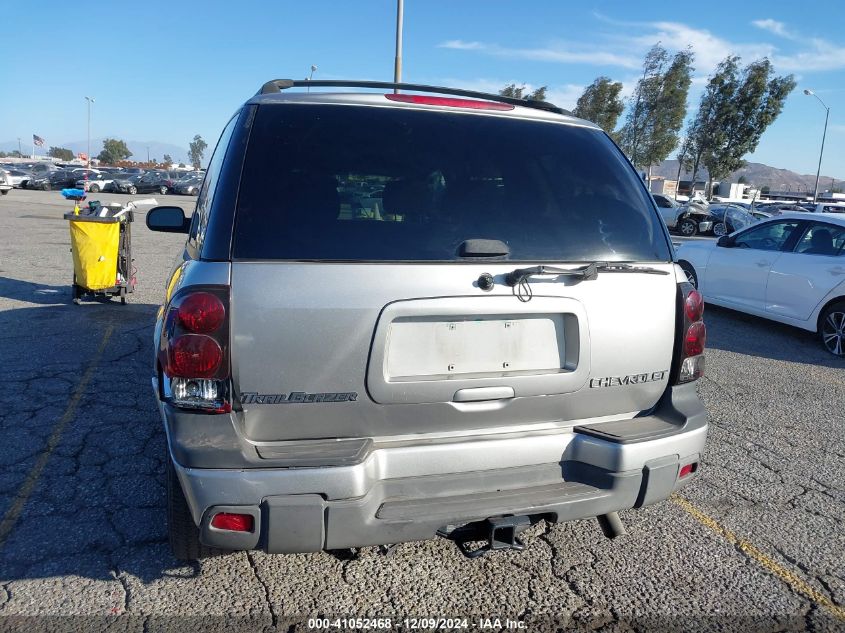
point(164, 71)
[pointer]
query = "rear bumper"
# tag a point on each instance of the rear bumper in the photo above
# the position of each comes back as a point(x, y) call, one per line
point(395, 493)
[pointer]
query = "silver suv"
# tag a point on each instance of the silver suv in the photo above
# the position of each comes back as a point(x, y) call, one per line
point(420, 313)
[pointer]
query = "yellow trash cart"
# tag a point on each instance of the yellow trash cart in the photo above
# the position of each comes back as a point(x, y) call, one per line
point(102, 255)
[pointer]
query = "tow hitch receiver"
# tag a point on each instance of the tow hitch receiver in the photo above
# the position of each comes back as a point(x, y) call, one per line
point(500, 533)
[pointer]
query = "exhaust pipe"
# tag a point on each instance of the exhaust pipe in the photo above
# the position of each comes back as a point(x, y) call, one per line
point(611, 525)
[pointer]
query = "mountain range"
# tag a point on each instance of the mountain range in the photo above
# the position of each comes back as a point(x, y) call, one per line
point(756, 174)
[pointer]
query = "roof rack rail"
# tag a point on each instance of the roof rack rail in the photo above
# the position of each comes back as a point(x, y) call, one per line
point(277, 85)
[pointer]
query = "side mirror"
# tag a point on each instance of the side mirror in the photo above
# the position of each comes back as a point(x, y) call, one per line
point(724, 241)
point(168, 220)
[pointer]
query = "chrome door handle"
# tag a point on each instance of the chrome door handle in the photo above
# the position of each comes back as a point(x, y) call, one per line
point(763, 262)
point(836, 270)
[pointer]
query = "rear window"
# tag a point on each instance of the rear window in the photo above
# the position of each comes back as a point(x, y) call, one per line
point(353, 183)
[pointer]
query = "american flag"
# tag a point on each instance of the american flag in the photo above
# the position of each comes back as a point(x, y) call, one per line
point(37, 140)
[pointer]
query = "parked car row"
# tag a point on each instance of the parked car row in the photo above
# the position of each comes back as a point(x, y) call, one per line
point(699, 218)
point(51, 177)
point(153, 181)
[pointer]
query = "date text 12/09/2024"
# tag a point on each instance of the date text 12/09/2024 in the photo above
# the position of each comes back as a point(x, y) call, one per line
point(422, 623)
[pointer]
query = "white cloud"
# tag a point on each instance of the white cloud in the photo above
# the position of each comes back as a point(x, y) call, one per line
point(773, 26)
point(588, 56)
point(709, 49)
point(822, 55)
point(625, 47)
point(460, 45)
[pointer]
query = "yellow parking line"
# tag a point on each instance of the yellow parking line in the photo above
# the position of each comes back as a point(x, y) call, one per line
point(13, 514)
point(767, 562)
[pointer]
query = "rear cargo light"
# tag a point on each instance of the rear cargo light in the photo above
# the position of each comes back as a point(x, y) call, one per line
point(202, 312)
point(450, 102)
point(692, 335)
point(233, 522)
point(194, 348)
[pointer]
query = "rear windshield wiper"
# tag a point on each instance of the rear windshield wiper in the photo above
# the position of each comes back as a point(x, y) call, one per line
point(518, 279)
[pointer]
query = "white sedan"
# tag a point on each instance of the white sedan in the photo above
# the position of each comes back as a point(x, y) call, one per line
point(789, 268)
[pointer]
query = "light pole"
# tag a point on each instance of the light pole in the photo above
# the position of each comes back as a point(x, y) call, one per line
point(20, 153)
point(821, 151)
point(397, 65)
point(90, 100)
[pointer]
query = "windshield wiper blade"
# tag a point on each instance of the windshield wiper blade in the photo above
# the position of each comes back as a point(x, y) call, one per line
point(587, 273)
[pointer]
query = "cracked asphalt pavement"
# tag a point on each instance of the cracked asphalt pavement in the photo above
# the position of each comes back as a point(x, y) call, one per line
point(755, 543)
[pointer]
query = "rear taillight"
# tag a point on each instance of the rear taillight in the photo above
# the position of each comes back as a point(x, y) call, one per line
point(694, 306)
point(694, 340)
point(193, 356)
point(201, 312)
point(689, 348)
point(194, 350)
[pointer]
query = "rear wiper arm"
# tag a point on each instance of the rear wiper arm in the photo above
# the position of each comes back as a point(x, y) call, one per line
point(587, 273)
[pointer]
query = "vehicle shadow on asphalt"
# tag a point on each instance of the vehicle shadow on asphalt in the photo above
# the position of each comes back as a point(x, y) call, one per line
point(42, 294)
point(741, 333)
point(82, 458)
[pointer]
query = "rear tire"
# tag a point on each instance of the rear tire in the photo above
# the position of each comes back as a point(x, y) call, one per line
point(133, 190)
point(183, 534)
point(687, 227)
point(689, 271)
point(93, 189)
point(720, 229)
point(4, 192)
point(832, 328)
point(162, 190)
point(46, 186)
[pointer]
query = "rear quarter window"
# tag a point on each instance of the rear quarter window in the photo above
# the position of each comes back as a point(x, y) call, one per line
point(356, 183)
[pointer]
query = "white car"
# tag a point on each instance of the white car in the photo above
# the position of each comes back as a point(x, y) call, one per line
point(686, 219)
point(789, 268)
point(5, 182)
point(829, 207)
point(96, 184)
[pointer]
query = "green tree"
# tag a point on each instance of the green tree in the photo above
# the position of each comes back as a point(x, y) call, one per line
point(519, 92)
point(196, 150)
point(765, 190)
point(633, 134)
point(601, 104)
point(114, 150)
point(658, 107)
point(167, 160)
point(62, 153)
point(737, 106)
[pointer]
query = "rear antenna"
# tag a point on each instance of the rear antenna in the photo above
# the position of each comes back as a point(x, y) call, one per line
point(313, 68)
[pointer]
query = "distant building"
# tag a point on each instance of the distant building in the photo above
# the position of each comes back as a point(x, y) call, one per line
point(690, 189)
point(663, 185)
point(735, 191)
